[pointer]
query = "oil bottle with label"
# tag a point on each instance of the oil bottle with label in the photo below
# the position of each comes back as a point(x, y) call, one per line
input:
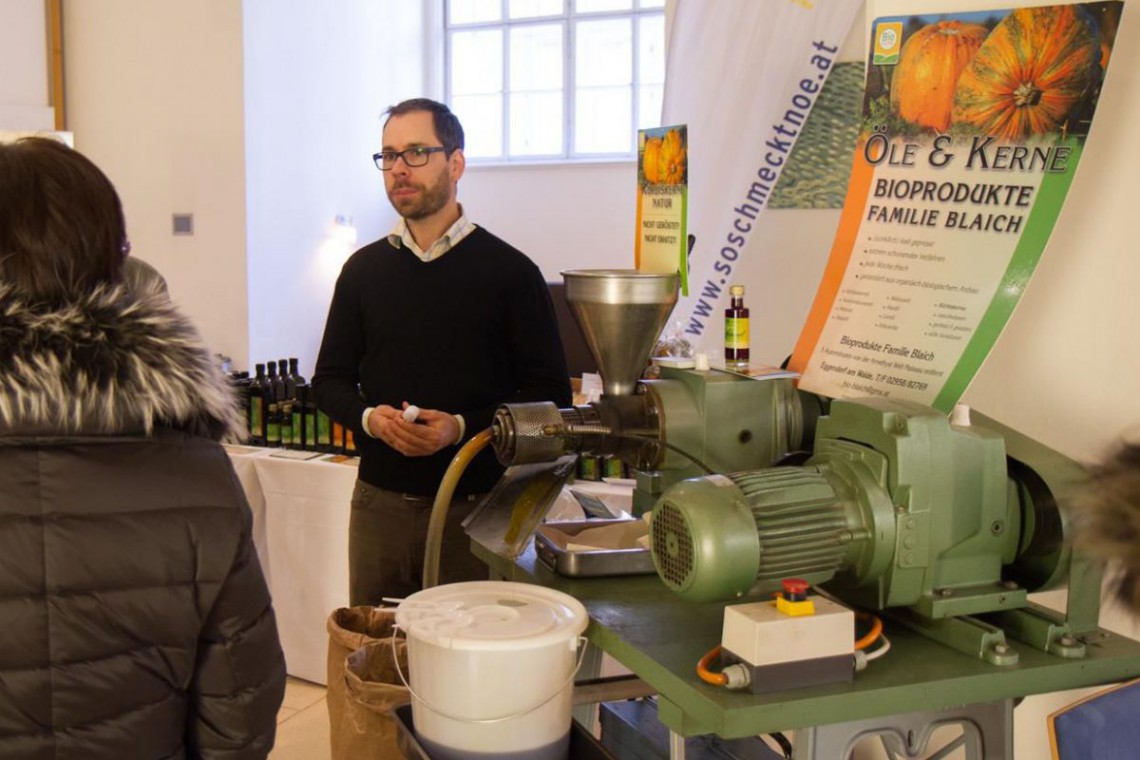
point(736, 337)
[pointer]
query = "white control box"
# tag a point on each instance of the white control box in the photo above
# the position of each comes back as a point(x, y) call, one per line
point(761, 635)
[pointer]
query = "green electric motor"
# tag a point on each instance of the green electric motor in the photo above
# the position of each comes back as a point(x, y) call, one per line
point(896, 507)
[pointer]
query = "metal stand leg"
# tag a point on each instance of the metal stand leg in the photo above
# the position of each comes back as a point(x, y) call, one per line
point(587, 714)
point(986, 734)
point(676, 746)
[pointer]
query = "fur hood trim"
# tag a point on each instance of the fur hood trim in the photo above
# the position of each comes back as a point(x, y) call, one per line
point(1107, 522)
point(109, 362)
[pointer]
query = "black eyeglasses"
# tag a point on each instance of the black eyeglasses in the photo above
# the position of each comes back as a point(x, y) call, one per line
point(413, 157)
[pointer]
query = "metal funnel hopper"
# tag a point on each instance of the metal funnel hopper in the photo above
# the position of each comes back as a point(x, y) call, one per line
point(620, 312)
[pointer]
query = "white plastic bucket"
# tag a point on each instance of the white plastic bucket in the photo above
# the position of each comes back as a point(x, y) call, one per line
point(492, 667)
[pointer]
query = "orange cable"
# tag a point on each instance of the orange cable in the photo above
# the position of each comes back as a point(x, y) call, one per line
point(716, 679)
point(720, 679)
point(872, 635)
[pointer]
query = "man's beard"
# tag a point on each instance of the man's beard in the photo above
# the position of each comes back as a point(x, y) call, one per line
point(430, 200)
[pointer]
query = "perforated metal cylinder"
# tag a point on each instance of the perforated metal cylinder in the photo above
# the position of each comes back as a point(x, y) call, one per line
point(523, 433)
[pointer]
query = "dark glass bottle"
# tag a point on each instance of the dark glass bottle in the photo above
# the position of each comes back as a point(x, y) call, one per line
point(273, 425)
point(736, 329)
point(293, 380)
point(297, 409)
point(273, 380)
point(257, 406)
point(286, 409)
point(308, 412)
point(287, 384)
point(324, 432)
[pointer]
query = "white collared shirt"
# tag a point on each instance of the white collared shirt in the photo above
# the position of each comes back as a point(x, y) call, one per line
point(401, 236)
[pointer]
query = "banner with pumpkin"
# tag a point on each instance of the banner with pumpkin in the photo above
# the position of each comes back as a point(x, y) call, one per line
point(973, 125)
point(662, 201)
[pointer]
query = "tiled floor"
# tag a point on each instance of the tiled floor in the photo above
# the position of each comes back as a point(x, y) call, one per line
point(302, 723)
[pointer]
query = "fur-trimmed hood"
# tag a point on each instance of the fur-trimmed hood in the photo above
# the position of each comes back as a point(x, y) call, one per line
point(1107, 522)
point(111, 362)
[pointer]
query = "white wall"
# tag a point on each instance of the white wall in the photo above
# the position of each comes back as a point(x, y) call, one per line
point(259, 118)
point(318, 78)
point(577, 216)
point(154, 97)
point(25, 102)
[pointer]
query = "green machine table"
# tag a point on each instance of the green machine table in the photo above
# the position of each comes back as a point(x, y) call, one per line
point(918, 684)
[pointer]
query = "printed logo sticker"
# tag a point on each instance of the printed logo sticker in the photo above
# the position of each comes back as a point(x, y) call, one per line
point(888, 42)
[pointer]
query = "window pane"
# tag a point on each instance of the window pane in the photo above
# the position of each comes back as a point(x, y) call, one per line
point(476, 62)
point(536, 57)
point(649, 106)
point(651, 52)
point(594, 6)
point(508, 75)
point(482, 120)
point(536, 124)
point(533, 8)
point(602, 120)
point(471, 11)
point(603, 53)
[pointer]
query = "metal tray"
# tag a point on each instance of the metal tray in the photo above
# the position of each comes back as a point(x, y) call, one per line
point(600, 562)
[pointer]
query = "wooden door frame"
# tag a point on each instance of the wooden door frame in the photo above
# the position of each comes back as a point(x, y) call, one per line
point(53, 18)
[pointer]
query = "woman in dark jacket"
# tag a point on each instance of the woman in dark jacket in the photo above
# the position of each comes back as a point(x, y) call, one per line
point(134, 618)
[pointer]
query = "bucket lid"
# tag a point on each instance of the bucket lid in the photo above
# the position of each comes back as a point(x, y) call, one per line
point(491, 615)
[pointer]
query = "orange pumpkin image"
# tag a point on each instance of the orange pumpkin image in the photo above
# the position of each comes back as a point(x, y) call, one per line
point(932, 59)
point(663, 160)
point(651, 160)
point(673, 158)
point(1033, 70)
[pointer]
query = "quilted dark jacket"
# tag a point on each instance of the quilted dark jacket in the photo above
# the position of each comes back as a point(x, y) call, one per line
point(134, 618)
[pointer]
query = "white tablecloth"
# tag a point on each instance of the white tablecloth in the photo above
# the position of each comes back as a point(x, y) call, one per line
point(301, 511)
point(300, 528)
point(242, 458)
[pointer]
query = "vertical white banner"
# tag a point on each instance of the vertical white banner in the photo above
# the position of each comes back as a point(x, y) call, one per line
point(743, 75)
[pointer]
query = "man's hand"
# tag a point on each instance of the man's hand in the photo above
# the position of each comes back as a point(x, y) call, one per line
point(433, 430)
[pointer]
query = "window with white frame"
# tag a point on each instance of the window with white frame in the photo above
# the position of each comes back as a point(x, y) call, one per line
point(554, 79)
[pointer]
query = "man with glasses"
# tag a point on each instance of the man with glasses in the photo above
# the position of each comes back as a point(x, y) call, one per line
point(440, 315)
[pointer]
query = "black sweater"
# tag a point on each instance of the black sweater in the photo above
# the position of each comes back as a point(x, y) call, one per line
point(462, 334)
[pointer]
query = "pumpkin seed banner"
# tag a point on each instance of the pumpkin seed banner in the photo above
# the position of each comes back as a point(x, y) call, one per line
point(662, 201)
point(973, 126)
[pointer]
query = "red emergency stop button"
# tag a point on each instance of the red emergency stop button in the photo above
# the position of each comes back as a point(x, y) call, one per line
point(795, 589)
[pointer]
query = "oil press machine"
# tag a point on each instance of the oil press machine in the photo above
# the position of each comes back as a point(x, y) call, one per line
point(947, 524)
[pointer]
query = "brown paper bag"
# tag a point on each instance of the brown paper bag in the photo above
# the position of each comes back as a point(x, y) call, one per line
point(363, 685)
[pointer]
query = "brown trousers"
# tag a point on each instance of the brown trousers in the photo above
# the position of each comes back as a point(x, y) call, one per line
point(387, 532)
